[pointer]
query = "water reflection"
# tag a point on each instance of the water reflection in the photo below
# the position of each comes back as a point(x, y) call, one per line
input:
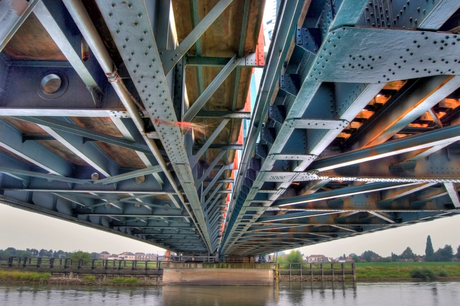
point(324, 294)
point(221, 295)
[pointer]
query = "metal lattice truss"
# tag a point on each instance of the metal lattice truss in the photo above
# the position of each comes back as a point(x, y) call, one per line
point(355, 128)
point(125, 115)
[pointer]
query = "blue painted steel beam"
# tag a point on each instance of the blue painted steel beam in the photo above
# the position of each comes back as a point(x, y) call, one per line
point(152, 85)
point(211, 89)
point(58, 23)
point(408, 144)
point(209, 141)
point(11, 140)
point(63, 126)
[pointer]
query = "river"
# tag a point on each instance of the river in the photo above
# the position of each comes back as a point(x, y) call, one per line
point(375, 294)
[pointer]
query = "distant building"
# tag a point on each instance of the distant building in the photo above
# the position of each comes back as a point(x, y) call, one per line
point(143, 256)
point(317, 259)
point(127, 256)
point(103, 255)
point(113, 257)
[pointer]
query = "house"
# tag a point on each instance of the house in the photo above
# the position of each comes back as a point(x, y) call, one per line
point(317, 259)
point(126, 256)
point(113, 257)
point(148, 256)
point(103, 255)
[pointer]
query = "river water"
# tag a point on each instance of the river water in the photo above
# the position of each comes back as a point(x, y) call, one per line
point(373, 294)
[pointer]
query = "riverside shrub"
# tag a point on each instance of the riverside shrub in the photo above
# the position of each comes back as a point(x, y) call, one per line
point(425, 273)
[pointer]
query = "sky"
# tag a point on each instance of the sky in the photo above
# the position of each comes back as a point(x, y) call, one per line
point(22, 229)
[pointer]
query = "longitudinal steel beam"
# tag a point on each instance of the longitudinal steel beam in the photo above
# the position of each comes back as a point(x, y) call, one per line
point(152, 86)
point(289, 13)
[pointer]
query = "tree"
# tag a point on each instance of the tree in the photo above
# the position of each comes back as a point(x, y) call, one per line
point(354, 257)
point(394, 257)
point(429, 251)
point(76, 256)
point(294, 256)
point(458, 252)
point(443, 254)
point(408, 254)
point(370, 256)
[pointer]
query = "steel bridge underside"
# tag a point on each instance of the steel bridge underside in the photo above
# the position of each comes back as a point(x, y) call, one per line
point(126, 116)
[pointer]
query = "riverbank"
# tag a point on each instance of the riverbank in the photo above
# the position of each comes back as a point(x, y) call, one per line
point(27, 277)
point(402, 270)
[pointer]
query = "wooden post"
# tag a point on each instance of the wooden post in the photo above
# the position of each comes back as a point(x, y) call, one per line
point(301, 268)
point(311, 271)
point(322, 271)
point(343, 272)
point(332, 271)
point(353, 268)
point(289, 272)
point(119, 264)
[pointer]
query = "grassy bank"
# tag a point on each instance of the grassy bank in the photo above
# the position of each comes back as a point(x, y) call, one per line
point(402, 270)
point(23, 276)
point(26, 277)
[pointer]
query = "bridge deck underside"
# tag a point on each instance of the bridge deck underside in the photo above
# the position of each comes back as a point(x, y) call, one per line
point(115, 146)
point(355, 127)
point(126, 117)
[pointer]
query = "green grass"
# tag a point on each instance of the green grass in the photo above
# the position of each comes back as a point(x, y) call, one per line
point(123, 280)
point(24, 276)
point(89, 278)
point(403, 269)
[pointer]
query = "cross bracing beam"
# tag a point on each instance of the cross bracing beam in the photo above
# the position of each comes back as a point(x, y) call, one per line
point(14, 13)
point(171, 57)
point(199, 61)
point(11, 140)
point(55, 19)
point(211, 89)
point(63, 126)
point(208, 142)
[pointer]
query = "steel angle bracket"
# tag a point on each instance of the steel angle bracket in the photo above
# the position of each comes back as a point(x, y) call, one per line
point(132, 33)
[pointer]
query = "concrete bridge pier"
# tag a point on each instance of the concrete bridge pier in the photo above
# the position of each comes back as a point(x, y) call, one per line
point(218, 274)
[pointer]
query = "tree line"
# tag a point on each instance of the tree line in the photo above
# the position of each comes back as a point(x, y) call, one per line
point(43, 253)
point(442, 254)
